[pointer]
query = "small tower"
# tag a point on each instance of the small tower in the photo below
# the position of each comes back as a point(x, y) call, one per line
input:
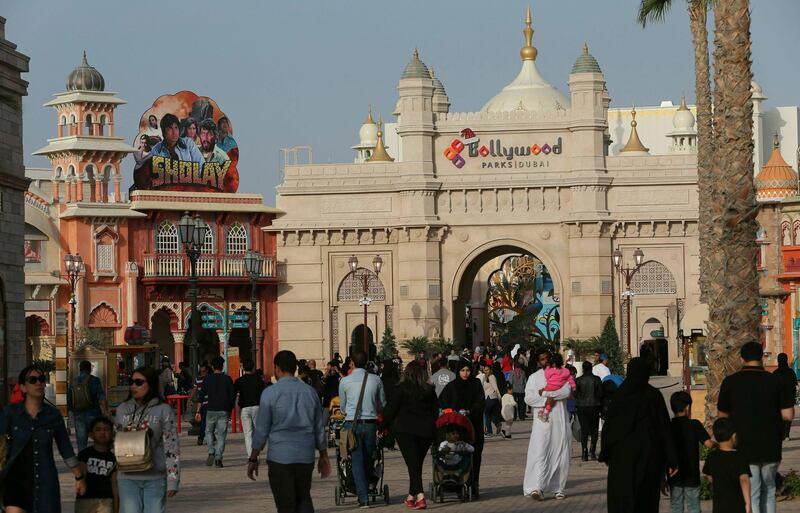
point(441, 103)
point(589, 101)
point(367, 138)
point(684, 137)
point(380, 155)
point(759, 146)
point(777, 179)
point(634, 145)
point(85, 154)
point(415, 125)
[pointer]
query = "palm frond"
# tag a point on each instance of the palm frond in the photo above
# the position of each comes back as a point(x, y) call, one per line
point(653, 11)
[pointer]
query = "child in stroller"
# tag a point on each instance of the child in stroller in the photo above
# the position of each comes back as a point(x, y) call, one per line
point(452, 456)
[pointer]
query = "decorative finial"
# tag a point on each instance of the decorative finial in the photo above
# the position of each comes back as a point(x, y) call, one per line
point(379, 153)
point(634, 143)
point(369, 120)
point(683, 102)
point(528, 52)
point(776, 140)
point(585, 48)
point(415, 55)
point(85, 61)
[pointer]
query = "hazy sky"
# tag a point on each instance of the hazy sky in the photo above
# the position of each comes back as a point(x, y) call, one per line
point(303, 71)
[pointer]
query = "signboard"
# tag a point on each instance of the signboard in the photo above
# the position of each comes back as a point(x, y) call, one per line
point(185, 143)
point(496, 153)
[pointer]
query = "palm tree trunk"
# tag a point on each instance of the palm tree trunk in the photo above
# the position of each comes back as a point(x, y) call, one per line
point(698, 18)
point(732, 282)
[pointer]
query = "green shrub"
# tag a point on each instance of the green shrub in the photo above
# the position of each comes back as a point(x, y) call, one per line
point(791, 484)
point(705, 490)
point(416, 345)
point(388, 345)
point(704, 452)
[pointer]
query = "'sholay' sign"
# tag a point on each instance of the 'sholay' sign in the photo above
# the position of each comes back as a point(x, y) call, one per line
point(510, 155)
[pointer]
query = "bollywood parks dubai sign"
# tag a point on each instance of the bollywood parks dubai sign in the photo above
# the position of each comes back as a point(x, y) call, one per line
point(495, 154)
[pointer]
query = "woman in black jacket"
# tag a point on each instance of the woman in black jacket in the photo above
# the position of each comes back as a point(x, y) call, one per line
point(411, 416)
point(588, 400)
point(466, 393)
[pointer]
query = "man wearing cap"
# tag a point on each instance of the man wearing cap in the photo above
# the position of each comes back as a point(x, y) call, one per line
point(601, 369)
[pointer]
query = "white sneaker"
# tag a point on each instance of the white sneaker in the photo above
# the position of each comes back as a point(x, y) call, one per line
point(560, 495)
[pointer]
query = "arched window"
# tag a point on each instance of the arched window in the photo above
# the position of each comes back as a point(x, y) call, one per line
point(352, 288)
point(59, 173)
point(88, 173)
point(208, 244)
point(71, 171)
point(101, 126)
point(167, 240)
point(88, 124)
point(236, 242)
point(64, 120)
point(73, 120)
point(653, 278)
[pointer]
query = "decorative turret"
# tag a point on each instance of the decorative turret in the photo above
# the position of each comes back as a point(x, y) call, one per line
point(85, 154)
point(85, 78)
point(759, 142)
point(367, 138)
point(586, 63)
point(380, 155)
point(416, 68)
point(684, 137)
point(529, 91)
point(441, 103)
point(634, 145)
point(777, 179)
point(415, 112)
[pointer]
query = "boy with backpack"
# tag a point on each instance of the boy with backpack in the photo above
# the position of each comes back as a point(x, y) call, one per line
point(86, 400)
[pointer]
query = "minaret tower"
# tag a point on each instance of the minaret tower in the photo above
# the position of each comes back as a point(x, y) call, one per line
point(85, 154)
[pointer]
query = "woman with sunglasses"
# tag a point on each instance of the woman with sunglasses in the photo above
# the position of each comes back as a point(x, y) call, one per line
point(30, 478)
point(147, 492)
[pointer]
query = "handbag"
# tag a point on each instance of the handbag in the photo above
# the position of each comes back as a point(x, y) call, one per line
point(347, 439)
point(575, 427)
point(132, 448)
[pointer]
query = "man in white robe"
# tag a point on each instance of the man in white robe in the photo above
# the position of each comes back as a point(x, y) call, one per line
point(547, 467)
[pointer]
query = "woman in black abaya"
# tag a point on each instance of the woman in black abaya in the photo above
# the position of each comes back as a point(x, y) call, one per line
point(636, 443)
point(466, 393)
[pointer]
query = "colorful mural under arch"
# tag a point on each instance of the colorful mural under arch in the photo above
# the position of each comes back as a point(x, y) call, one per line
point(522, 303)
point(185, 143)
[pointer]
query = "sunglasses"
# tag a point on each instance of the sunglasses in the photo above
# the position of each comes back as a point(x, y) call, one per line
point(139, 382)
point(32, 380)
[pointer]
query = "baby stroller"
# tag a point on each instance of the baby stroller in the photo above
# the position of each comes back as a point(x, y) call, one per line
point(346, 486)
point(335, 421)
point(455, 479)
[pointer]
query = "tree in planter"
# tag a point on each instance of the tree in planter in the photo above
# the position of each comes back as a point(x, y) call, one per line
point(416, 346)
point(609, 342)
point(388, 345)
point(443, 345)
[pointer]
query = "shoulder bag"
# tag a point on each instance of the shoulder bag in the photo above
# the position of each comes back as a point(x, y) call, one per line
point(347, 439)
point(132, 446)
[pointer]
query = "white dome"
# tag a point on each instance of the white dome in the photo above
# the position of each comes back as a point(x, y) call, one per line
point(683, 120)
point(368, 134)
point(529, 91)
point(755, 89)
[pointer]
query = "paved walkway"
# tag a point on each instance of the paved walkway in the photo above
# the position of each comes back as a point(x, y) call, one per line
point(205, 489)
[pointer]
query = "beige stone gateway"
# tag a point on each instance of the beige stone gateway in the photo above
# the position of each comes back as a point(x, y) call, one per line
point(452, 195)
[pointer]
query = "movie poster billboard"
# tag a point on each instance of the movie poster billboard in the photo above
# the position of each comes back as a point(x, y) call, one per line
point(185, 143)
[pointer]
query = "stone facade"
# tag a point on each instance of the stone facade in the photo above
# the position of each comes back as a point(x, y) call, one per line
point(448, 204)
point(12, 224)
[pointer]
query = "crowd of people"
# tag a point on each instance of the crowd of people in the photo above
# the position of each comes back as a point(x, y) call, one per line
point(387, 404)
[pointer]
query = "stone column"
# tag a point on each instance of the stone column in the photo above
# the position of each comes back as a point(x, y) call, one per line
point(590, 278)
point(419, 311)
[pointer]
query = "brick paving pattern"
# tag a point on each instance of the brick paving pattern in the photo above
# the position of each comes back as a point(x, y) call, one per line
point(207, 489)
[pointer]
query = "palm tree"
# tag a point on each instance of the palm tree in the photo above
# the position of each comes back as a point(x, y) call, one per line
point(732, 283)
point(656, 11)
point(727, 207)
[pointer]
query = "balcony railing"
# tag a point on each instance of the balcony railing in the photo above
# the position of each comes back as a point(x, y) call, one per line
point(178, 265)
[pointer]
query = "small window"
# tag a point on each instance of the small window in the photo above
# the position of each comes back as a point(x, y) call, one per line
point(88, 124)
point(105, 257)
point(33, 251)
point(167, 240)
point(208, 244)
point(236, 242)
point(101, 126)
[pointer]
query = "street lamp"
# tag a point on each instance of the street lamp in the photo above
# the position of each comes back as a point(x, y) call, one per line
point(628, 273)
point(193, 234)
point(253, 262)
point(377, 264)
point(73, 264)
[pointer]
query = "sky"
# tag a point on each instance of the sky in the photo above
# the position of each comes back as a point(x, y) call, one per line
point(302, 72)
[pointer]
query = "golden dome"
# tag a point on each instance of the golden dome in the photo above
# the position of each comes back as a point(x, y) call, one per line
point(634, 144)
point(379, 154)
point(777, 179)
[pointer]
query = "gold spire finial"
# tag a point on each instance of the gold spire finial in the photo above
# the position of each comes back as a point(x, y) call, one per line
point(776, 141)
point(369, 120)
point(379, 153)
point(585, 48)
point(528, 52)
point(634, 143)
point(415, 54)
point(683, 102)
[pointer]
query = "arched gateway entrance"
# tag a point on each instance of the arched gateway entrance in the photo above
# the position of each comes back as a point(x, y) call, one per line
point(506, 295)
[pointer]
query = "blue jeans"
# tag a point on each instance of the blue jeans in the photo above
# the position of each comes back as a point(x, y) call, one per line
point(762, 486)
point(142, 496)
point(81, 421)
point(216, 431)
point(363, 457)
point(690, 494)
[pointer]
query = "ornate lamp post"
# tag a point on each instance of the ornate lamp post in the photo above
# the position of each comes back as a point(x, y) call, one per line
point(73, 264)
point(253, 262)
point(628, 273)
point(377, 263)
point(193, 234)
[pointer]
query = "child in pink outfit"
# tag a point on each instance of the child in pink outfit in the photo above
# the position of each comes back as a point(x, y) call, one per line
point(556, 375)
